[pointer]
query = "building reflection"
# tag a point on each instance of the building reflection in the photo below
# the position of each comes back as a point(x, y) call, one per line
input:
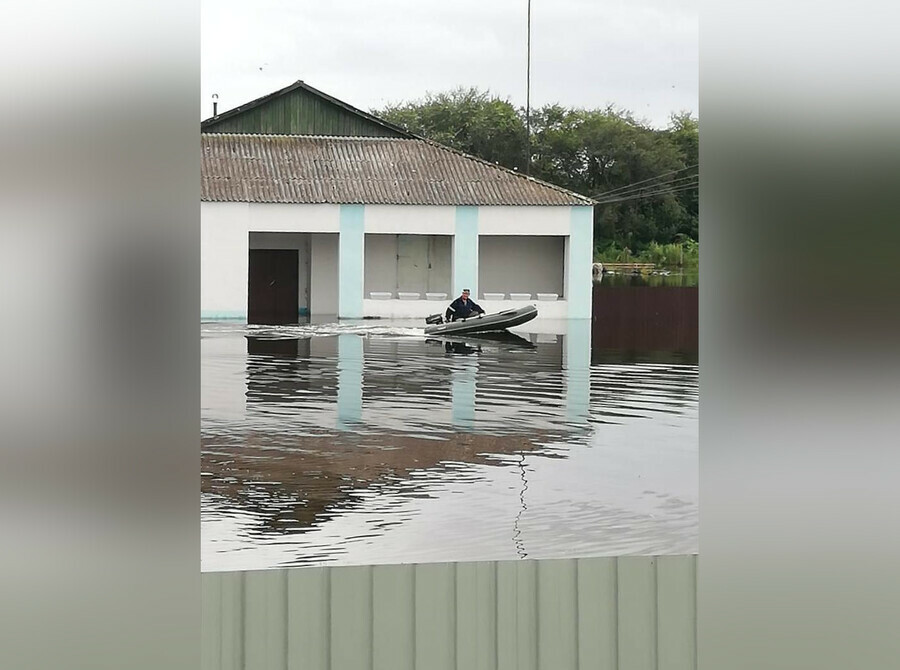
point(309, 479)
point(327, 417)
point(348, 381)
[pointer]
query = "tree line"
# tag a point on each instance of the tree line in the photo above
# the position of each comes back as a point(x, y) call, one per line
point(645, 179)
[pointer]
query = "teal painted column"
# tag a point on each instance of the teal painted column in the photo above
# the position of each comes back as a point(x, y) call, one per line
point(351, 253)
point(578, 264)
point(465, 251)
point(350, 381)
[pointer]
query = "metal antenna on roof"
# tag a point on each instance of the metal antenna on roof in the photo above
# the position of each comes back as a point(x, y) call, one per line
point(215, 99)
point(528, 97)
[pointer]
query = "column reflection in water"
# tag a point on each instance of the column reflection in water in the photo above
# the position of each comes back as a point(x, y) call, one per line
point(350, 380)
point(462, 389)
point(577, 359)
point(223, 360)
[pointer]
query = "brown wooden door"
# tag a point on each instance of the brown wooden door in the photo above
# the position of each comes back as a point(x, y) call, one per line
point(273, 286)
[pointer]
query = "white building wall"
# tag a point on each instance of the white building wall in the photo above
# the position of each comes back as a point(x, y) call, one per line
point(289, 218)
point(225, 248)
point(324, 274)
point(410, 219)
point(226, 227)
point(224, 259)
point(380, 264)
point(416, 263)
point(440, 254)
point(524, 221)
point(423, 263)
point(531, 264)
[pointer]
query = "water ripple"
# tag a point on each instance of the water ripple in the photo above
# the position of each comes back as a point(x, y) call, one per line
point(368, 443)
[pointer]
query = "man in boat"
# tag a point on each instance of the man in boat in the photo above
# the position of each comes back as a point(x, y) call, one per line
point(463, 307)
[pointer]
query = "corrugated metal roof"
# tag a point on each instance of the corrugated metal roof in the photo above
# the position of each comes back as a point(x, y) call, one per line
point(361, 170)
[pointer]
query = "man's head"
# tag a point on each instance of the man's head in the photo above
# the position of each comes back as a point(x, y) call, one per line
point(465, 294)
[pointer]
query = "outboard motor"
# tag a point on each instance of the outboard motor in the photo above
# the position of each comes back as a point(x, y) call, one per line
point(434, 319)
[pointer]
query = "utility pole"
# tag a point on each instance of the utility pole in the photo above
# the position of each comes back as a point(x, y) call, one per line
point(528, 97)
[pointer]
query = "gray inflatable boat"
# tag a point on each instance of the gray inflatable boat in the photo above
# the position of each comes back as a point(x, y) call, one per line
point(484, 323)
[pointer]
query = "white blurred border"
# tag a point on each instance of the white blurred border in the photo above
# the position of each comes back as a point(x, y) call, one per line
point(798, 335)
point(99, 181)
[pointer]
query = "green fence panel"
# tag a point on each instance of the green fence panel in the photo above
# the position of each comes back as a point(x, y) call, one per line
point(626, 613)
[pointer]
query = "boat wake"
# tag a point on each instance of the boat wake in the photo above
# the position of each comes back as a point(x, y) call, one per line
point(331, 329)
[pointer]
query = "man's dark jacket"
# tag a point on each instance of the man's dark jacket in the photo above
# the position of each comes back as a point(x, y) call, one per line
point(462, 310)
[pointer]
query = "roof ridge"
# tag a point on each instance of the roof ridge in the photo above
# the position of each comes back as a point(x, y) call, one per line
point(324, 137)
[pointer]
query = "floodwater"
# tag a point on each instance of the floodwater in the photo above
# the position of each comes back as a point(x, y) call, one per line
point(367, 442)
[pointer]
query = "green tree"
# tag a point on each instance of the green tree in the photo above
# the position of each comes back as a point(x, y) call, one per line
point(466, 119)
point(684, 130)
point(602, 153)
point(643, 178)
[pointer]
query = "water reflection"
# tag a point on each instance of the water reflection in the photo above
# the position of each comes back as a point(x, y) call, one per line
point(364, 443)
point(665, 278)
point(637, 322)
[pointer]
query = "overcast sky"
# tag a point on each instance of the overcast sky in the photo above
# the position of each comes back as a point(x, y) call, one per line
point(638, 54)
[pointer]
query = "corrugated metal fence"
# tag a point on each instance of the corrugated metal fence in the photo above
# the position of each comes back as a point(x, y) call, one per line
point(628, 613)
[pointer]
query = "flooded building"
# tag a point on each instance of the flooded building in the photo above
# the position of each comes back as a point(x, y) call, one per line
point(312, 207)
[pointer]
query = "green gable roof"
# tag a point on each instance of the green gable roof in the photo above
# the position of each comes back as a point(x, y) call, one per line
point(300, 109)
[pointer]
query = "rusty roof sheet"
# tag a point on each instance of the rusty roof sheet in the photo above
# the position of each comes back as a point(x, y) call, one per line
point(361, 170)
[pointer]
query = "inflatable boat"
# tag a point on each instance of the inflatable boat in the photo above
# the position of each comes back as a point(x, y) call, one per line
point(481, 323)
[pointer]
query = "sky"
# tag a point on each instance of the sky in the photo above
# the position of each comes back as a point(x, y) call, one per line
point(640, 55)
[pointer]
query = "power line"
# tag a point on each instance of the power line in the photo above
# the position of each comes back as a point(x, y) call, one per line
point(686, 187)
point(656, 188)
point(649, 194)
point(644, 181)
point(639, 189)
